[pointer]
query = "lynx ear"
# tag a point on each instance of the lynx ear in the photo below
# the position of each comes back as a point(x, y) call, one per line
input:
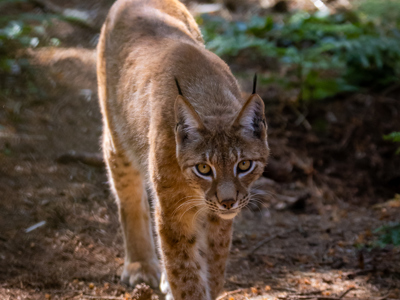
point(251, 119)
point(188, 122)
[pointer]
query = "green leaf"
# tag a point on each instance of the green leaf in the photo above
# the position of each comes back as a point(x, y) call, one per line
point(394, 137)
point(388, 234)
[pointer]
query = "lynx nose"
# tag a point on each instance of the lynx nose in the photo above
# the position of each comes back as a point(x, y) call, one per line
point(228, 203)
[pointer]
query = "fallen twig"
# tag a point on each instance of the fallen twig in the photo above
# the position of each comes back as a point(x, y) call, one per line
point(346, 292)
point(72, 294)
point(360, 272)
point(36, 226)
point(243, 284)
point(301, 118)
point(5, 135)
point(383, 297)
point(92, 159)
point(310, 296)
point(314, 297)
point(309, 293)
point(229, 293)
point(269, 239)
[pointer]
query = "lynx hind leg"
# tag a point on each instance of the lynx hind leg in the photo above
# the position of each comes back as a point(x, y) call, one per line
point(141, 263)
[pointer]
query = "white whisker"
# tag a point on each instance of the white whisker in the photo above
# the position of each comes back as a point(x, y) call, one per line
point(198, 213)
point(189, 202)
point(200, 204)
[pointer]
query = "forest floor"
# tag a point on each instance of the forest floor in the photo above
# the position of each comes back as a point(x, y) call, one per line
point(329, 191)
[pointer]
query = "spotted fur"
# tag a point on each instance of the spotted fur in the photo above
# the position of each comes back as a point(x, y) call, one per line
point(168, 105)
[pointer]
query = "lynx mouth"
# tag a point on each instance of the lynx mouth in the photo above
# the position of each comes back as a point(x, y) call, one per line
point(228, 215)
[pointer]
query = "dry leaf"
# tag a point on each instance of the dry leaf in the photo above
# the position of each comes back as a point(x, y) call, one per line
point(254, 290)
point(253, 236)
point(392, 203)
point(360, 239)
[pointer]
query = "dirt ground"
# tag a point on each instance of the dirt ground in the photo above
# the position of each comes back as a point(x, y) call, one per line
point(329, 189)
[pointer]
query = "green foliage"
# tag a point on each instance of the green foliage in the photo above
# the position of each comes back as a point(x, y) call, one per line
point(387, 11)
point(388, 235)
point(17, 32)
point(322, 56)
point(393, 137)
point(12, 37)
point(21, 30)
point(5, 2)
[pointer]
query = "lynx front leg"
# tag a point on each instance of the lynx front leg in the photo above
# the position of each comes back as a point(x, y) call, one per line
point(186, 269)
point(141, 264)
point(219, 235)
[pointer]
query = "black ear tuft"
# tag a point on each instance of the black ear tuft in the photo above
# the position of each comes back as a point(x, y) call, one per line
point(177, 85)
point(255, 84)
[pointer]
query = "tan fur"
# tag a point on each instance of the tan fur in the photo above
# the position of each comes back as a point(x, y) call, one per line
point(153, 139)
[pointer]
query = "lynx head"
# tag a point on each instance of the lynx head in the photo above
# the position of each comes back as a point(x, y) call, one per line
point(222, 156)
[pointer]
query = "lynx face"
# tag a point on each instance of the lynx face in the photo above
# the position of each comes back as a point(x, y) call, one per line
point(222, 158)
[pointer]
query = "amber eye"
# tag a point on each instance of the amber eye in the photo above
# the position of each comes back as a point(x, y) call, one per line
point(204, 169)
point(244, 165)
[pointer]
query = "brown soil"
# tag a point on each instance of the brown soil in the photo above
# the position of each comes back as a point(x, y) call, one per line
point(328, 186)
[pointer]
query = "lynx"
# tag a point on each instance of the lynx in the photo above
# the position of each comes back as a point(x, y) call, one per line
point(176, 131)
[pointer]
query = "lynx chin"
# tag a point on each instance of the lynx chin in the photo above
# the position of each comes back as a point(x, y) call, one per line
point(176, 131)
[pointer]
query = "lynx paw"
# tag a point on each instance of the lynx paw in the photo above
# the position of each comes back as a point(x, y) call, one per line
point(139, 272)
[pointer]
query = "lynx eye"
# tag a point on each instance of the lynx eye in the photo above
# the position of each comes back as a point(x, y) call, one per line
point(244, 165)
point(204, 169)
